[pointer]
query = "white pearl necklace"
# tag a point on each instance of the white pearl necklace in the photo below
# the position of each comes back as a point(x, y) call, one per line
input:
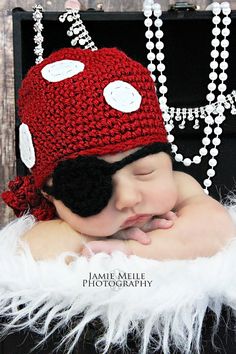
point(207, 112)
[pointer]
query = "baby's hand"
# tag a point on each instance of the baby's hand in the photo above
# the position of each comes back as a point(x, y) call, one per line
point(140, 234)
point(133, 233)
point(107, 246)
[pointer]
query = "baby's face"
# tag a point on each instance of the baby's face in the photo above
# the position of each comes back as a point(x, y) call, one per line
point(143, 188)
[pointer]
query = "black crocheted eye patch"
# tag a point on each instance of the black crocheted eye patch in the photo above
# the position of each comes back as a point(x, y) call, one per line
point(85, 185)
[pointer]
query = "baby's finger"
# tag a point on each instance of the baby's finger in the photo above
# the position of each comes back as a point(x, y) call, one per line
point(170, 215)
point(134, 233)
point(158, 224)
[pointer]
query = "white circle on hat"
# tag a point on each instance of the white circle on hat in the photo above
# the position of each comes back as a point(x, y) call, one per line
point(26, 146)
point(61, 70)
point(122, 96)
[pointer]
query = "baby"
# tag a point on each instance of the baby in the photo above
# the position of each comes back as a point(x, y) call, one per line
point(101, 177)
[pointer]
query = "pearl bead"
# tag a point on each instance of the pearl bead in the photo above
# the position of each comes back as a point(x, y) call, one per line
point(214, 53)
point(206, 141)
point(209, 120)
point(158, 22)
point(174, 148)
point(208, 130)
point(150, 45)
point(151, 67)
point(216, 141)
point(220, 109)
point(153, 77)
point(211, 86)
point(166, 117)
point(163, 106)
point(219, 120)
point(213, 76)
point(218, 130)
point(147, 12)
point(226, 21)
point(168, 127)
point(209, 108)
point(216, 31)
point(148, 22)
point(162, 79)
point(226, 11)
point(157, 13)
point(222, 87)
point(214, 152)
point(216, 20)
point(225, 43)
point(206, 191)
point(151, 56)
point(223, 65)
point(221, 98)
point(159, 34)
point(197, 159)
point(179, 157)
point(149, 34)
point(203, 151)
point(160, 56)
point(170, 138)
point(82, 41)
point(161, 67)
point(159, 45)
point(207, 183)
point(211, 172)
point(214, 65)
point(163, 100)
point(212, 162)
point(210, 97)
point(187, 162)
point(223, 76)
point(216, 9)
point(224, 54)
point(163, 89)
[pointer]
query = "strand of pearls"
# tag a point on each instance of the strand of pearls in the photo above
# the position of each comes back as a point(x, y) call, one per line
point(194, 114)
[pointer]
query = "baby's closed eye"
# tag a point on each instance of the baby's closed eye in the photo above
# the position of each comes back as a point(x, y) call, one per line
point(143, 172)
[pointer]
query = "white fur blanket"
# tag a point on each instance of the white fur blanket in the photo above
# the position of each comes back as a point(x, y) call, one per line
point(145, 297)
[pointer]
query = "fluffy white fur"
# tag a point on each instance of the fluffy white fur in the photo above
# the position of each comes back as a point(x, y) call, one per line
point(173, 308)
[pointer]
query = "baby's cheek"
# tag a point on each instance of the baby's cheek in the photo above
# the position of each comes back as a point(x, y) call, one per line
point(164, 197)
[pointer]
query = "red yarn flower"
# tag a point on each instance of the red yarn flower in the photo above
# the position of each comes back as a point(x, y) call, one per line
point(24, 197)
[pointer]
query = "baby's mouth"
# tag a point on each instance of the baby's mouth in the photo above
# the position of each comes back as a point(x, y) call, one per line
point(137, 220)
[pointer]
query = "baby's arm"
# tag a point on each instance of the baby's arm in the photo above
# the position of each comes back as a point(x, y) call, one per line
point(202, 228)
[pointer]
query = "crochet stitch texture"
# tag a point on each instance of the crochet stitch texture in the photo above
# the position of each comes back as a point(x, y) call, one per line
point(71, 117)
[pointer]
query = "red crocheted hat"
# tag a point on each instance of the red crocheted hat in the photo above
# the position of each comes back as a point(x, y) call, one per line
point(109, 106)
point(83, 102)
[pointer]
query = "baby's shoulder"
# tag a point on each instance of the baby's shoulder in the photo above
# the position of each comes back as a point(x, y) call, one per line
point(47, 239)
point(187, 186)
point(48, 229)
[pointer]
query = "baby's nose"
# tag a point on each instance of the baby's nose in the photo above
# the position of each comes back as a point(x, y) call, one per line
point(126, 197)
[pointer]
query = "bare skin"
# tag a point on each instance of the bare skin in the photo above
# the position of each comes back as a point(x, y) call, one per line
point(201, 229)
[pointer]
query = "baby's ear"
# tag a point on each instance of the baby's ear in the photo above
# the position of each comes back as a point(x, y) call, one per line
point(47, 196)
point(44, 193)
